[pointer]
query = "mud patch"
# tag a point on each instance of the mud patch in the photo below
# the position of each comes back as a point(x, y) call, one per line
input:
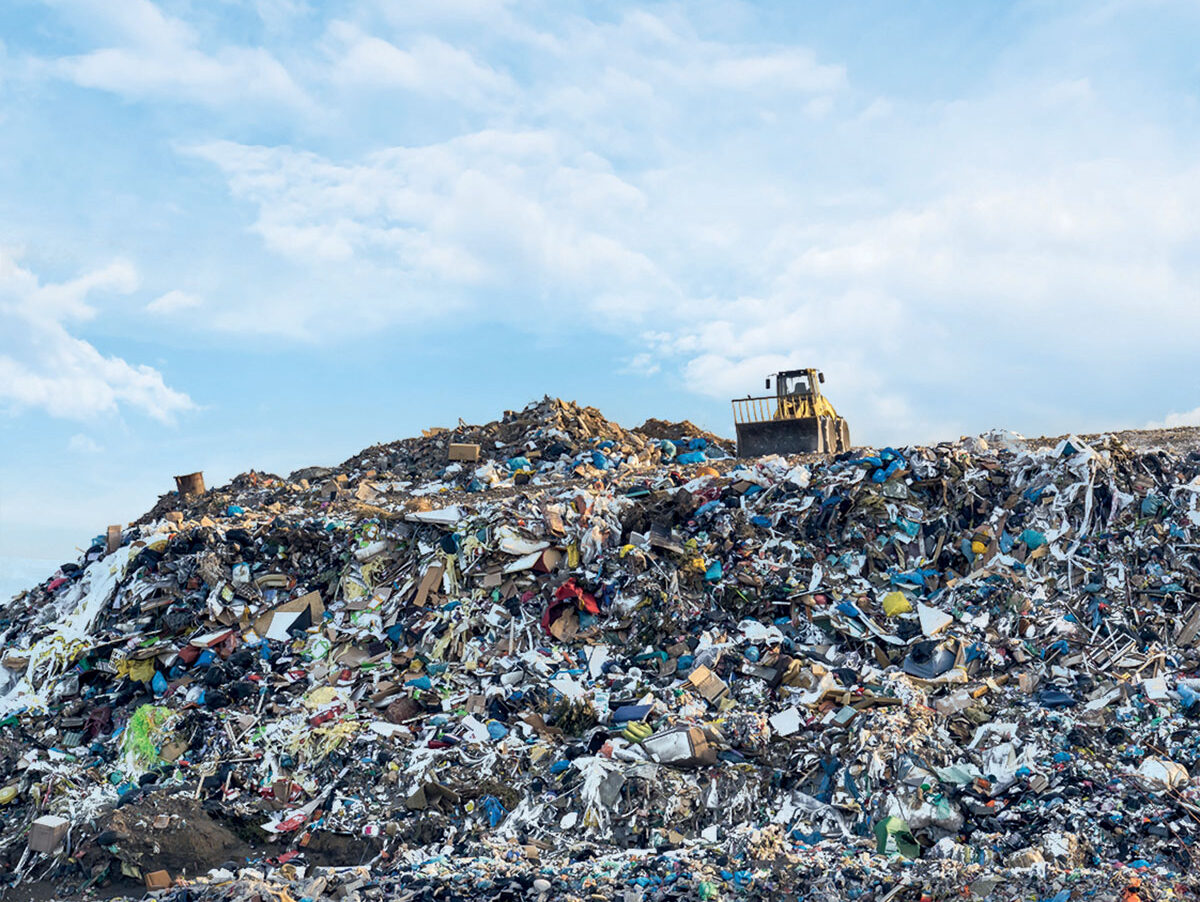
point(340, 850)
point(48, 891)
point(172, 833)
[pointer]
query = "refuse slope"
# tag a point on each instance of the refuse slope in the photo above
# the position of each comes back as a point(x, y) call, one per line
point(598, 661)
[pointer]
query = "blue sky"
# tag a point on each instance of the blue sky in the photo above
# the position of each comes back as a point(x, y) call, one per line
point(240, 234)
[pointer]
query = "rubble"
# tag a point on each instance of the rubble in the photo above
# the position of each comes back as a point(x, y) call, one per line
point(581, 662)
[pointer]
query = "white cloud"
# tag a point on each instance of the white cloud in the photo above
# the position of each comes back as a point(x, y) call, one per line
point(484, 13)
point(83, 444)
point(1041, 278)
point(278, 15)
point(156, 56)
point(173, 302)
point(488, 211)
point(429, 66)
point(68, 299)
point(1172, 420)
point(754, 204)
point(648, 84)
point(43, 366)
point(748, 270)
point(180, 73)
point(787, 70)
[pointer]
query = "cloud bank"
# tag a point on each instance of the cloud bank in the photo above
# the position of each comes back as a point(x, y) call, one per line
point(43, 366)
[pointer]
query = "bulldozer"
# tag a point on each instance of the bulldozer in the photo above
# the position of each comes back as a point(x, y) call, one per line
point(797, 419)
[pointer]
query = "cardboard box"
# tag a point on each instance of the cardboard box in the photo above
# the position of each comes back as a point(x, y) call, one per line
point(190, 485)
point(112, 537)
point(683, 748)
point(158, 880)
point(47, 833)
point(710, 686)
point(548, 560)
point(463, 451)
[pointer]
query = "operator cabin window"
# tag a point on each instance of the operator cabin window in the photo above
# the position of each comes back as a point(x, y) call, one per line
point(798, 385)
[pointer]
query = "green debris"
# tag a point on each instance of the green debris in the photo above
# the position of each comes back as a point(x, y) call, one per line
point(141, 739)
point(893, 835)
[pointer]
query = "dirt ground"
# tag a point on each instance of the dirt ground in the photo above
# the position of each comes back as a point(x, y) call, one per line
point(1180, 439)
point(660, 429)
point(51, 892)
point(173, 833)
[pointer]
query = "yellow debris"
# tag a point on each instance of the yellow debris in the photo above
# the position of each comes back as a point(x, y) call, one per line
point(895, 603)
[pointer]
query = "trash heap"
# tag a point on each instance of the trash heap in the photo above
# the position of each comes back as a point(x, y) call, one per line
point(550, 658)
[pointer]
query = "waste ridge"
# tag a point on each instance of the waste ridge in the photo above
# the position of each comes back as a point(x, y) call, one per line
point(550, 657)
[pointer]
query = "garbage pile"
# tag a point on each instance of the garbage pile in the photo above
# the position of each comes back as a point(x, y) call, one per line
point(549, 658)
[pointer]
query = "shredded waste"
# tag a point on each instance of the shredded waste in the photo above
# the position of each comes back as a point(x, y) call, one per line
point(552, 658)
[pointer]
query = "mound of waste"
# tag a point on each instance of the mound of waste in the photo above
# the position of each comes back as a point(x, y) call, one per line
point(551, 658)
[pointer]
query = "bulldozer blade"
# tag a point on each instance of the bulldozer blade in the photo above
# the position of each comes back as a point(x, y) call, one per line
point(803, 436)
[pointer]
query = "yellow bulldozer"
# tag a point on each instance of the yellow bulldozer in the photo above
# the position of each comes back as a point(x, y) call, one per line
point(797, 419)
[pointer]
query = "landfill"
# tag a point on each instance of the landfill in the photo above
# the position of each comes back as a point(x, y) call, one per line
point(553, 658)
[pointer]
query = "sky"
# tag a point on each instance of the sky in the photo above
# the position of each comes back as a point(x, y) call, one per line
point(240, 234)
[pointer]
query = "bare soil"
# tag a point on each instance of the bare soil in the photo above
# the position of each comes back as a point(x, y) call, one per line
point(190, 841)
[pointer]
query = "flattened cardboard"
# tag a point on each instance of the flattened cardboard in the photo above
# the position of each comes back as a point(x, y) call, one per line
point(565, 626)
point(554, 522)
point(306, 611)
point(429, 583)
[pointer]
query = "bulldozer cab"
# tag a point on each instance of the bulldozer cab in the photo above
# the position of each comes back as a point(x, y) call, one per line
point(797, 419)
point(795, 382)
point(798, 394)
